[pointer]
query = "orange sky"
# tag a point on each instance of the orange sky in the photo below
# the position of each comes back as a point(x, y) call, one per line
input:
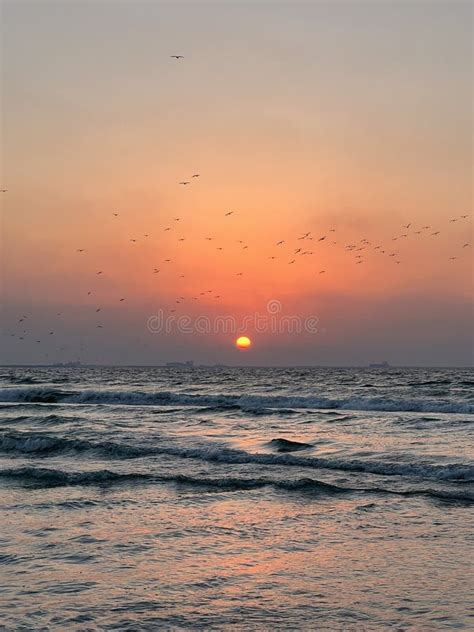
point(351, 116)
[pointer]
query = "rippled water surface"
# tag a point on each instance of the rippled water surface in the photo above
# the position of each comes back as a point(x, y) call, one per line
point(152, 498)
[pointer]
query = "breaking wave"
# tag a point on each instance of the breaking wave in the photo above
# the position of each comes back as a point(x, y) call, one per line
point(253, 403)
point(45, 477)
point(43, 445)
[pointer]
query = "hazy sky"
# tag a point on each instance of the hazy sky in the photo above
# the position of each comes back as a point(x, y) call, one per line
point(346, 119)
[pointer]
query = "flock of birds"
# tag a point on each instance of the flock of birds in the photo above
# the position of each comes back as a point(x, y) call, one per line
point(288, 251)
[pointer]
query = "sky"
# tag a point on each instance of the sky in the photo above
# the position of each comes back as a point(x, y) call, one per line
point(348, 121)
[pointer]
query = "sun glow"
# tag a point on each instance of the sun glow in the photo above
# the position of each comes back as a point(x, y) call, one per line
point(243, 342)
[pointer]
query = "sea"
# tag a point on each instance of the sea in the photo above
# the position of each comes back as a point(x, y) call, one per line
point(145, 498)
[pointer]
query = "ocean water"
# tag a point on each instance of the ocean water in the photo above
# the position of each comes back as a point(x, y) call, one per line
point(244, 499)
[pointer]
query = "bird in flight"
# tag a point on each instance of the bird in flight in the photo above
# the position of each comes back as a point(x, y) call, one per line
point(279, 243)
point(436, 233)
point(184, 182)
point(322, 238)
point(3, 190)
point(100, 272)
point(229, 213)
point(322, 271)
point(177, 56)
point(155, 271)
point(464, 216)
point(292, 261)
point(407, 226)
point(121, 300)
point(466, 245)
point(115, 214)
point(166, 229)
point(80, 250)
point(195, 175)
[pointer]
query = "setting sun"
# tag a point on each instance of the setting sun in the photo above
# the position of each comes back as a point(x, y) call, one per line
point(243, 342)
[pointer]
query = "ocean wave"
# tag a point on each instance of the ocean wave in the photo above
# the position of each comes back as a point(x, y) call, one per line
point(28, 379)
point(244, 402)
point(46, 477)
point(43, 445)
point(285, 445)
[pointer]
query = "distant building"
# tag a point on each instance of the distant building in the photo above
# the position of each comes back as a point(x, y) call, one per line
point(68, 365)
point(189, 364)
point(380, 365)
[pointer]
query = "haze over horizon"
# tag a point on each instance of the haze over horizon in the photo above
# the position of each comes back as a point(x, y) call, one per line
point(346, 121)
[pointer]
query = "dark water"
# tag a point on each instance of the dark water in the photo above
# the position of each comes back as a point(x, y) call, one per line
point(142, 499)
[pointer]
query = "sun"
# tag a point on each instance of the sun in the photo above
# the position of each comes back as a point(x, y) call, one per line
point(243, 342)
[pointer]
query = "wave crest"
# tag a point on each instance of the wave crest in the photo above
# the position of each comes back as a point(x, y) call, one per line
point(252, 403)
